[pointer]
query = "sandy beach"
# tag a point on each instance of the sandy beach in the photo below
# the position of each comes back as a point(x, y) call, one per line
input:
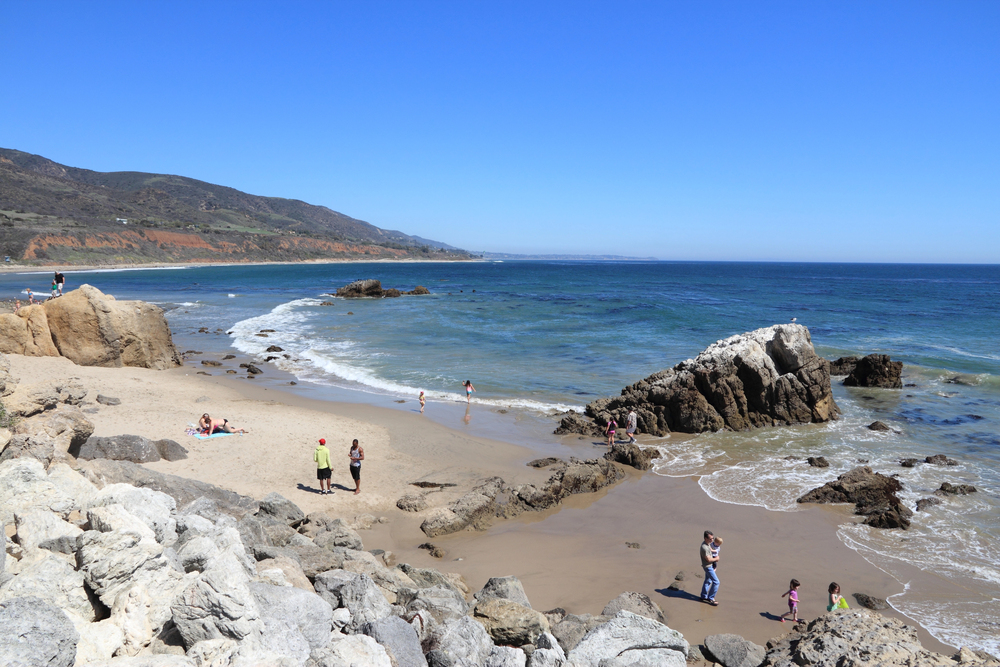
point(574, 556)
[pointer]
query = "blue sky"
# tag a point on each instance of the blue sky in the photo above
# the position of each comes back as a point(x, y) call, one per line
point(848, 131)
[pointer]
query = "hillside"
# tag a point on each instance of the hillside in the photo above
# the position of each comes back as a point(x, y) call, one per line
point(51, 213)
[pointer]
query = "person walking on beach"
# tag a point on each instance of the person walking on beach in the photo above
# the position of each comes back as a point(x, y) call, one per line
point(60, 282)
point(323, 472)
point(422, 401)
point(357, 455)
point(630, 424)
point(610, 431)
point(711, 586)
point(835, 600)
point(468, 390)
point(793, 600)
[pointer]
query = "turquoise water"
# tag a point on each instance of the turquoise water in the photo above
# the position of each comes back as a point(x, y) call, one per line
point(538, 337)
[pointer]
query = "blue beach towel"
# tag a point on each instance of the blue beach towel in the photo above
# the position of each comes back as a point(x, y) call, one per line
point(214, 435)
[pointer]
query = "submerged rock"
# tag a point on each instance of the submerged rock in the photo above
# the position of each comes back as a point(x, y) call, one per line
point(766, 377)
point(843, 366)
point(633, 455)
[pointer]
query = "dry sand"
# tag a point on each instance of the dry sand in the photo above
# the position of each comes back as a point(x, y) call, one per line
point(574, 557)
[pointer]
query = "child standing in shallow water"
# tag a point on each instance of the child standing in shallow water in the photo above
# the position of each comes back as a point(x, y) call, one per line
point(421, 402)
point(793, 600)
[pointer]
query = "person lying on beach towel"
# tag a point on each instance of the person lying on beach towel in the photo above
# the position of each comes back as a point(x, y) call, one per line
point(209, 426)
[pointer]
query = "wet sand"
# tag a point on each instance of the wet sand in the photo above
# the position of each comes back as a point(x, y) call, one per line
point(574, 557)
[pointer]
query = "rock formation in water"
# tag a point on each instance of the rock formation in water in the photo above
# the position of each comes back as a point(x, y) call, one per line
point(876, 370)
point(872, 493)
point(373, 289)
point(91, 329)
point(767, 377)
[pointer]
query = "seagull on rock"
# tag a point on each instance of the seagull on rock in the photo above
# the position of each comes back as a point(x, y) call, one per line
point(794, 318)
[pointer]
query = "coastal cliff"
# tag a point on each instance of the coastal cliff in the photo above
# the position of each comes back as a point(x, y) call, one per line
point(91, 328)
point(767, 377)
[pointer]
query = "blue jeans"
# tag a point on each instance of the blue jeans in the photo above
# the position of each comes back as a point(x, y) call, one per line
point(711, 585)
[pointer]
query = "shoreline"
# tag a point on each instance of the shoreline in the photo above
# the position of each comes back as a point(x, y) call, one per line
point(81, 268)
point(572, 556)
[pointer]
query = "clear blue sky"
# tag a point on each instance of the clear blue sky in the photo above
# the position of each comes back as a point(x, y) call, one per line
point(839, 131)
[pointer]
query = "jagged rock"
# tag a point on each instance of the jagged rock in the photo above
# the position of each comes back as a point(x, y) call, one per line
point(633, 455)
point(183, 490)
point(25, 486)
point(27, 332)
point(338, 534)
point(108, 400)
point(281, 509)
point(461, 642)
point(577, 477)
point(510, 623)
point(909, 463)
point(38, 527)
point(154, 508)
point(392, 293)
point(66, 425)
point(355, 592)
point(361, 288)
point(876, 370)
point(924, 503)
point(547, 653)
point(92, 329)
point(870, 601)
point(572, 628)
point(734, 651)
point(305, 611)
point(853, 637)
point(291, 571)
point(873, 494)
point(442, 602)
point(412, 502)
point(399, 640)
point(504, 588)
point(766, 377)
point(949, 489)
point(637, 603)
point(217, 604)
point(33, 632)
point(134, 448)
point(353, 650)
point(941, 460)
point(418, 290)
point(879, 426)
point(542, 463)
point(626, 631)
point(42, 448)
point(843, 366)
point(53, 580)
point(818, 462)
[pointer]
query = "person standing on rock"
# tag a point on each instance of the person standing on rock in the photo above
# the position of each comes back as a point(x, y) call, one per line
point(357, 455)
point(323, 472)
point(711, 586)
point(630, 425)
point(60, 282)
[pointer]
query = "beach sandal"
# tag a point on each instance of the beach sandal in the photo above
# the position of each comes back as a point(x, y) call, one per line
point(713, 603)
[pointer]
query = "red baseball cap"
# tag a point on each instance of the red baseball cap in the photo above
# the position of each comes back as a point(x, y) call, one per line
point(322, 441)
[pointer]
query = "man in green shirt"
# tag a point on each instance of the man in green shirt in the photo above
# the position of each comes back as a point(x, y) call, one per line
point(322, 458)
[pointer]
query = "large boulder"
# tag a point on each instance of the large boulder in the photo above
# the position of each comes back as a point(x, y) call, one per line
point(134, 448)
point(442, 602)
point(510, 623)
point(628, 632)
point(577, 477)
point(734, 651)
point(281, 509)
point(352, 650)
point(461, 642)
point(843, 365)
point(504, 588)
point(362, 288)
point(574, 627)
point(25, 486)
point(93, 329)
point(853, 637)
point(637, 603)
point(766, 377)
point(399, 640)
point(876, 370)
point(873, 494)
point(33, 632)
point(633, 455)
point(219, 604)
point(53, 580)
point(304, 612)
point(27, 332)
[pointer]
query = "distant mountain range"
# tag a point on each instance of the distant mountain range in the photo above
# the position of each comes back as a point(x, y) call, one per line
point(54, 214)
point(580, 258)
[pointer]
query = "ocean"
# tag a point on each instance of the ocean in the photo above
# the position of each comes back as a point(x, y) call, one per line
point(536, 338)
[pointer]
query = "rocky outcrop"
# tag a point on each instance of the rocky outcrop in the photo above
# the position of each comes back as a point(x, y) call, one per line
point(35, 633)
point(134, 448)
point(876, 370)
point(91, 329)
point(373, 289)
point(843, 365)
point(627, 633)
point(854, 637)
point(873, 494)
point(767, 377)
point(494, 498)
point(640, 458)
point(733, 651)
point(637, 603)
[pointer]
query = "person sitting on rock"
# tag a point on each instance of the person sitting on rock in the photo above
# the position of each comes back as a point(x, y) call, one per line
point(209, 426)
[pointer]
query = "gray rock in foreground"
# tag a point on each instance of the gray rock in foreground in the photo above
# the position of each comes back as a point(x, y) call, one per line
point(734, 651)
point(33, 632)
point(766, 377)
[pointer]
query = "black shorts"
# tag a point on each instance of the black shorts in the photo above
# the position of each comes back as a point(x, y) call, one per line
point(323, 473)
point(355, 472)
